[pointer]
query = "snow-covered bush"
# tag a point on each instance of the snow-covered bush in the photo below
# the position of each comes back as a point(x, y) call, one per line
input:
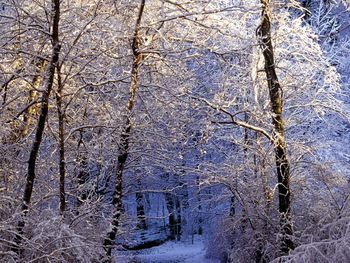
point(49, 238)
point(329, 244)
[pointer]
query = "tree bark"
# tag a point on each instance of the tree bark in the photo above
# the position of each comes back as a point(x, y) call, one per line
point(140, 209)
point(199, 207)
point(61, 145)
point(125, 136)
point(171, 218)
point(178, 218)
point(82, 165)
point(40, 126)
point(31, 111)
point(83, 177)
point(276, 100)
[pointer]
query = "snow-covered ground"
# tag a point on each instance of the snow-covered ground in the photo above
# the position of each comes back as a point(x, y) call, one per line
point(169, 252)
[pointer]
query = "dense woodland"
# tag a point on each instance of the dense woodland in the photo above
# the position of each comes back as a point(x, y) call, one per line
point(125, 124)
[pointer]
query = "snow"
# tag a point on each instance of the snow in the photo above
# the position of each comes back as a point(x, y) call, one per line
point(169, 252)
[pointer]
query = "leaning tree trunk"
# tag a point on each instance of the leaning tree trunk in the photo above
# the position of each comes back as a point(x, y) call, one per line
point(40, 126)
point(125, 136)
point(276, 100)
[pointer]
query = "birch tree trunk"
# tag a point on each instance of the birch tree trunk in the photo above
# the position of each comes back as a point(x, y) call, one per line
point(276, 100)
point(125, 136)
point(40, 126)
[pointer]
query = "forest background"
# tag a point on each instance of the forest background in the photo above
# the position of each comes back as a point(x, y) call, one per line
point(129, 123)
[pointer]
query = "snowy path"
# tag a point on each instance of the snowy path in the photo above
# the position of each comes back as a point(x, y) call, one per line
point(169, 252)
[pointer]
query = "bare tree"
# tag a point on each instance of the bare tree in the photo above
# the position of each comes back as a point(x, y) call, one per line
point(276, 99)
point(41, 124)
point(125, 136)
point(61, 118)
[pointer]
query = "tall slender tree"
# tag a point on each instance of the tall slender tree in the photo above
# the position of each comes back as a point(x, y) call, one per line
point(276, 100)
point(125, 136)
point(61, 143)
point(41, 124)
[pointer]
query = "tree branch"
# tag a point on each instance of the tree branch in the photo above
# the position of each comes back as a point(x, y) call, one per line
point(234, 121)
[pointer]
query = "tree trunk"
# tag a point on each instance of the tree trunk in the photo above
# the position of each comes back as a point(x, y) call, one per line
point(125, 136)
point(21, 128)
point(140, 209)
point(83, 171)
point(276, 99)
point(83, 176)
point(199, 200)
point(32, 110)
point(40, 126)
point(62, 162)
point(171, 218)
point(178, 218)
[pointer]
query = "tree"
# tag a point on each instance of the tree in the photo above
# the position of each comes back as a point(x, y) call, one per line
point(41, 123)
point(124, 145)
point(306, 92)
point(279, 143)
point(62, 161)
point(191, 140)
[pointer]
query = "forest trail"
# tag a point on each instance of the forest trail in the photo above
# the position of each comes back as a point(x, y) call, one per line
point(169, 252)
